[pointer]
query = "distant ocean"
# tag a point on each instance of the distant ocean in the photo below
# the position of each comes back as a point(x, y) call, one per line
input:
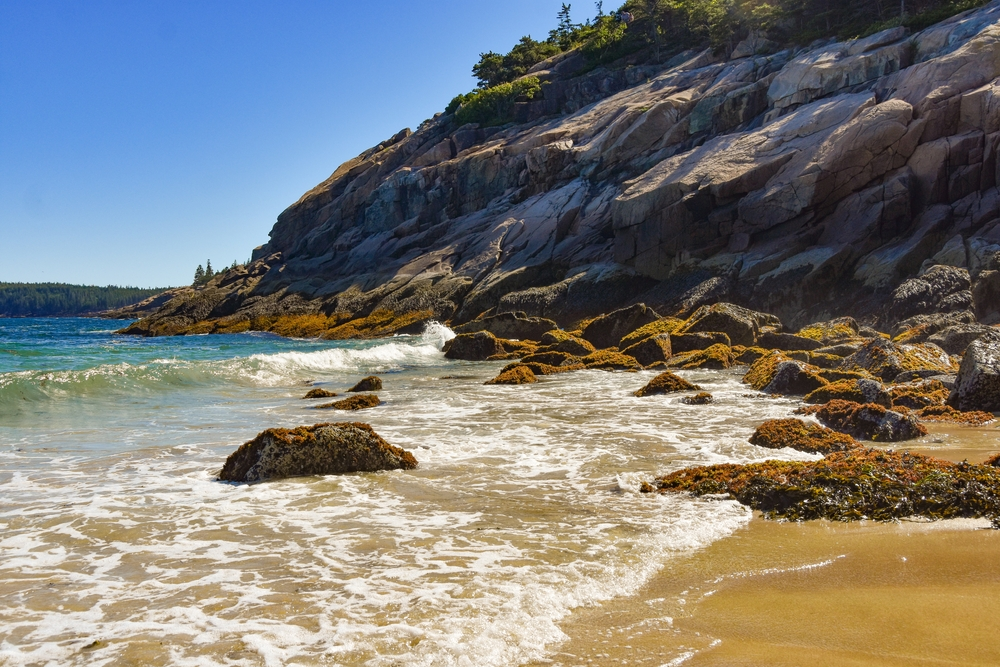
point(118, 546)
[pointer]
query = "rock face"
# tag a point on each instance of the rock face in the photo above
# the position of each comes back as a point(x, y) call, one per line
point(809, 182)
point(978, 383)
point(323, 449)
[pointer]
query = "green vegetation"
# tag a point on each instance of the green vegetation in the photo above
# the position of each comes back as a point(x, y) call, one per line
point(61, 300)
point(661, 29)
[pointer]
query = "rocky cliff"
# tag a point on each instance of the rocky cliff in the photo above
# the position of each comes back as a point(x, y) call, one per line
point(807, 182)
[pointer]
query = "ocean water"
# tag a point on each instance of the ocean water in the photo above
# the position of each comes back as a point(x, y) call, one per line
point(118, 546)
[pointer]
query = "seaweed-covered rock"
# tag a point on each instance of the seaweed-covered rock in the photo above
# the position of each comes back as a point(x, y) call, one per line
point(868, 421)
point(801, 435)
point(699, 340)
point(519, 374)
point(978, 384)
point(509, 325)
point(822, 360)
point(919, 328)
point(740, 324)
point(793, 377)
point(666, 383)
point(786, 341)
point(854, 390)
point(831, 332)
point(607, 330)
point(851, 485)
point(918, 395)
point(610, 360)
point(543, 369)
point(359, 402)
point(370, 383)
point(551, 358)
point(701, 398)
point(650, 350)
point(886, 360)
point(748, 355)
point(717, 357)
point(573, 346)
point(323, 449)
point(478, 346)
point(664, 325)
point(319, 392)
point(946, 413)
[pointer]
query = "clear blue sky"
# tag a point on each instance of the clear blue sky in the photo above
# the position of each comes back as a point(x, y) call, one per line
point(138, 139)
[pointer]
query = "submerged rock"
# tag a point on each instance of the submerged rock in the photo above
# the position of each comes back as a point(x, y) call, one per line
point(666, 383)
point(319, 392)
point(370, 383)
point(323, 449)
point(518, 374)
point(978, 384)
point(801, 435)
point(359, 402)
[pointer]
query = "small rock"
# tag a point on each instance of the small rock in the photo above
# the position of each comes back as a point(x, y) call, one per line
point(518, 374)
point(666, 383)
point(319, 392)
point(323, 449)
point(359, 402)
point(370, 383)
point(802, 436)
point(701, 398)
point(718, 357)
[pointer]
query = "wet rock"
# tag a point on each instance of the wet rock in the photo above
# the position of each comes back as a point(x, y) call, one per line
point(319, 392)
point(610, 360)
point(666, 383)
point(842, 349)
point(795, 378)
point(802, 436)
point(785, 341)
point(519, 374)
point(606, 331)
point(917, 395)
point(543, 369)
point(323, 449)
point(359, 402)
point(564, 342)
point(977, 386)
point(986, 296)
point(955, 339)
point(886, 360)
point(946, 413)
point(739, 324)
point(478, 346)
point(831, 332)
point(701, 340)
point(509, 325)
point(748, 355)
point(551, 358)
point(701, 398)
point(664, 325)
point(370, 383)
point(651, 350)
point(867, 421)
point(919, 328)
point(856, 390)
point(852, 485)
point(717, 357)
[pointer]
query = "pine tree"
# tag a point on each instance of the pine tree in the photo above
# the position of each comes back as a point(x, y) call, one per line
point(208, 271)
point(199, 275)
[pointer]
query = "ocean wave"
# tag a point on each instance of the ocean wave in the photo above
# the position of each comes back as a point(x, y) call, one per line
point(256, 370)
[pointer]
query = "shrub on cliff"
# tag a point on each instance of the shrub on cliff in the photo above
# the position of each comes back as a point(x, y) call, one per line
point(495, 105)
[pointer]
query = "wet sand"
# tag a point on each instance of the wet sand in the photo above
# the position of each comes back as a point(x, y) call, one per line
point(816, 593)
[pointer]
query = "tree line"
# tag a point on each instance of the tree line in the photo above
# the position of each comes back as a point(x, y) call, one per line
point(657, 30)
point(62, 300)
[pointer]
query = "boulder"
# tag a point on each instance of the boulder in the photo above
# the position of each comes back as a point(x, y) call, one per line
point(477, 346)
point(717, 357)
point(856, 390)
point(784, 341)
point(319, 392)
point(572, 345)
point(955, 340)
point(651, 350)
point(509, 325)
point(942, 289)
point(868, 421)
point(323, 449)
point(607, 330)
point(740, 324)
point(918, 395)
point(370, 383)
point(919, 328)
point(519, 374)
point(802, 436)
point(664, 325)
point(359, 402)
point(793, 377)
point(610, 360)
point(666, 383)
point(886, 360)
point(702, 340)
point(551, 358)
point(986, 297)
point(831, 332)
point(978, 384)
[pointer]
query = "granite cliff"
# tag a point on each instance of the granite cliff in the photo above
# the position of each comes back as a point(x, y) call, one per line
point(808, 182)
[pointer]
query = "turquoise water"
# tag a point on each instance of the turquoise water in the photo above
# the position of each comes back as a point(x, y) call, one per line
point(119, 546)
